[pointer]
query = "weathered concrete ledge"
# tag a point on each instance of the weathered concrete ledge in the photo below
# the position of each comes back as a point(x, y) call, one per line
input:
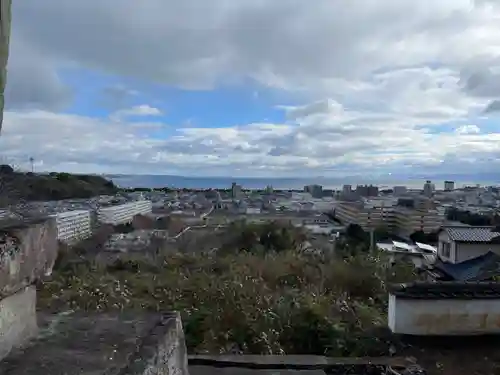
point(306, 364)
point(28, 251)
point(107, 344)
point(18, 322)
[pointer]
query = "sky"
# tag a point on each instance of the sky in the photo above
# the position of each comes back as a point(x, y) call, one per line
point(267, 88)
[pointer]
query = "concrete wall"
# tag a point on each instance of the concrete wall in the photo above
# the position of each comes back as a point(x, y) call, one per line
point(123, 213)
point(171, 357)
point(170, 351)
point(444, 238)
point(28, 254)
point(73, 226)
point(444, 317)
point(17, 319)
point(5, 18)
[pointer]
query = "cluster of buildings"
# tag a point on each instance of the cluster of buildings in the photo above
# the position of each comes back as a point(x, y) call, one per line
point(405, 211)
point(418, 214)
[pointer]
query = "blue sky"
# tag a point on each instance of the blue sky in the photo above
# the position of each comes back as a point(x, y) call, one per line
point(220, 107)
point(276, 89)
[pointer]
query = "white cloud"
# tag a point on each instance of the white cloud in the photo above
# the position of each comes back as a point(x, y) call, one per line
point(375, 80)
point(468, 129)
point(349, 143)
point(139, 110)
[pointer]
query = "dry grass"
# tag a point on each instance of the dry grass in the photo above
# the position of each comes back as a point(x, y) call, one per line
point(275, 303)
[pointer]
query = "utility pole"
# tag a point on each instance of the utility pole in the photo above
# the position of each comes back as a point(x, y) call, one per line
point(370, 227)
point(372, 240)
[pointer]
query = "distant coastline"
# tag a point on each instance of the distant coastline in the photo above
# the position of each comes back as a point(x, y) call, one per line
point(159, 181)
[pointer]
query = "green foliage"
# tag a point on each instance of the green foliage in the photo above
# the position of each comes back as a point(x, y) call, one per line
point(262, 238)
point(420, 236)
point(6, 169)
point(63, 177)
point(255, 302)
point(55, 186)
point(468, 217)
point(356, 234)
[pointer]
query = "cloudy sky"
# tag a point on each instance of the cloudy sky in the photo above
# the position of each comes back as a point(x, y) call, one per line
point(255, 87)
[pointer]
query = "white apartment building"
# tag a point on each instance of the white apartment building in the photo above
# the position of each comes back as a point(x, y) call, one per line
point(368, 214)
point(409, 221)
point(385, 213)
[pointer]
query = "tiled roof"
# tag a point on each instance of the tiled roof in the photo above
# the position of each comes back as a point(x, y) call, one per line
point(480, 268)
point(446, 290)
point(471, 234)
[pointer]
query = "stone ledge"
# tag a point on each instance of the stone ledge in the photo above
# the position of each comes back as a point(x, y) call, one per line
point(102, 344)
point(18, 322)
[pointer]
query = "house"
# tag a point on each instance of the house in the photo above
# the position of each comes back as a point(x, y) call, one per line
point(444, 308)
point(458, 243)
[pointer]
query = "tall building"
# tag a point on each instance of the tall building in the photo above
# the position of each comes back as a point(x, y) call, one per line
point(428, 188)
point(315, 190)
point(5, 19)
point(235, 190)
point(449, 185)
point(346, 189)
point(399, 190)
point(367, 191)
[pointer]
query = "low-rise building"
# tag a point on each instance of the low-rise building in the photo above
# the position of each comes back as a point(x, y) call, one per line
point(460, 243)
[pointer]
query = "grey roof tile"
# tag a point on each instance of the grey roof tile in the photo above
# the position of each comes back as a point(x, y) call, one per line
point(471, 234)
point(446, 290)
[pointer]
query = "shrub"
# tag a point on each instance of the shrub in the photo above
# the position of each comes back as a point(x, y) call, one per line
point(6, 169)
point(274, 303)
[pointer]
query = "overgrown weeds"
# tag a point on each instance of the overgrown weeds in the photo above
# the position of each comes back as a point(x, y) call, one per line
point(279, 302)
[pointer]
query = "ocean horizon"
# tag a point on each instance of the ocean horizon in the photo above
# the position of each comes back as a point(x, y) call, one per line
point(179, 182)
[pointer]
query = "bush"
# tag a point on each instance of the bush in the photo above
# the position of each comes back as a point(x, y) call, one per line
point(6, 169)
point(274, 303)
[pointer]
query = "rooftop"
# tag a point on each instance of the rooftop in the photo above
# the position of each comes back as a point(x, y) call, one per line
point(446, 290)
point(472, 234)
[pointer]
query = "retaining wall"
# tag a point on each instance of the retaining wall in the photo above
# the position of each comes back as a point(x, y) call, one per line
point(123, 213)
point(73, 226)
point(17, 319)
point(28, 251)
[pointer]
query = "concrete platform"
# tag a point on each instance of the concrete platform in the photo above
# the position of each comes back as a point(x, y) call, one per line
point(95, 344)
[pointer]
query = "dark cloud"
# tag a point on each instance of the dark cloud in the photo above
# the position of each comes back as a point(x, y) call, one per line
point(494, 106)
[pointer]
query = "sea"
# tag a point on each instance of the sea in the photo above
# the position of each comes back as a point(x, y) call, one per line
point(188, 182)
